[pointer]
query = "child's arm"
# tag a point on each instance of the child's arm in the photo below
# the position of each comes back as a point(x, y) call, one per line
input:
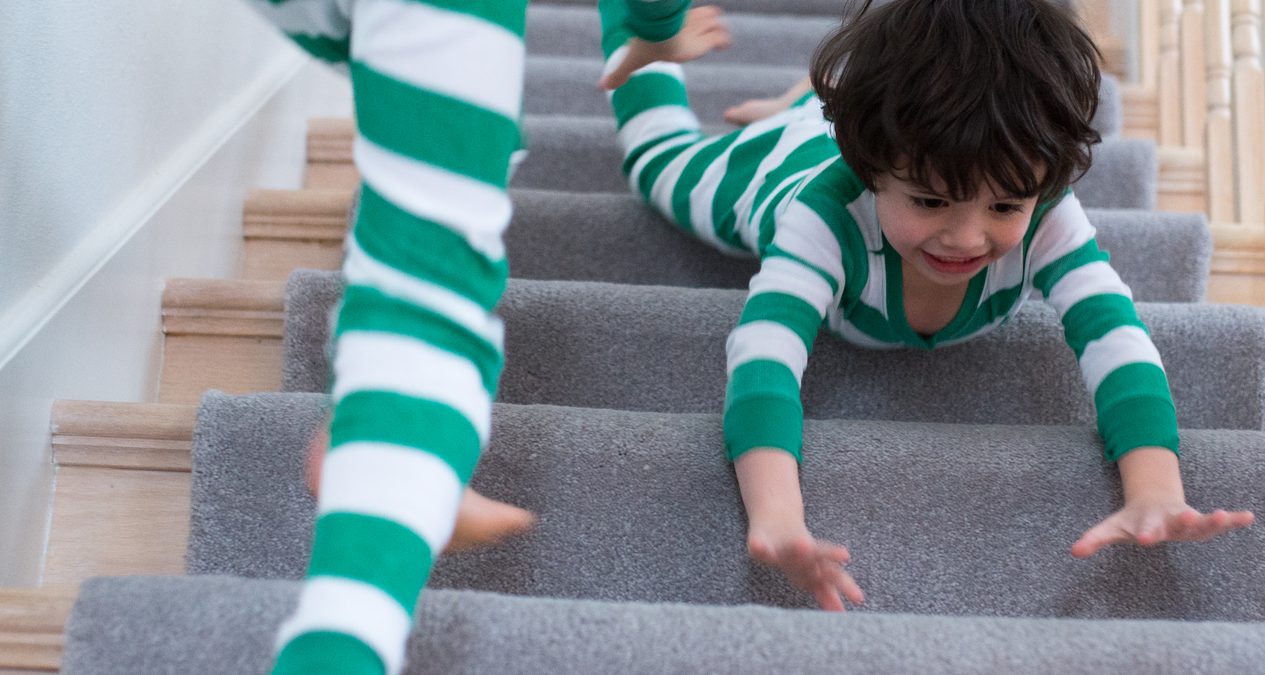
point(801, 275)
point(756, 109)
point(1136, 417)
point(1155, 508)
point(777, 535)
point(703, 30)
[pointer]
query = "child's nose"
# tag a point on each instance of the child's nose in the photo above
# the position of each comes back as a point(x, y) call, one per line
point(967, 235)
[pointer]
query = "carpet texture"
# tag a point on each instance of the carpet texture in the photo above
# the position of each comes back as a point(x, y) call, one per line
point(578, 152)
point(659, 348)
point(940, 519)
point(127, 626)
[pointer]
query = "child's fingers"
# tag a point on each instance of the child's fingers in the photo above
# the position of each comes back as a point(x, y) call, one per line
point(843, 583)
point(1104, 534)
point(828, 598)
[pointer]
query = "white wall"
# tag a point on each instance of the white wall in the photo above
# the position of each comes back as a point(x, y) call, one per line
point(130, 132)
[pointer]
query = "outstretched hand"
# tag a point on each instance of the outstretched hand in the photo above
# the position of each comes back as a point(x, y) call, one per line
point(811, 564)
point(1147, 523)
point(704, 30)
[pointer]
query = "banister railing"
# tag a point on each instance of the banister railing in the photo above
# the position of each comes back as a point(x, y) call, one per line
point(1199, 91)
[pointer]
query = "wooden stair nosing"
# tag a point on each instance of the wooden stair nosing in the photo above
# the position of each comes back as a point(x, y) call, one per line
point(149, 436)
point(230, 307)
point(32, 627)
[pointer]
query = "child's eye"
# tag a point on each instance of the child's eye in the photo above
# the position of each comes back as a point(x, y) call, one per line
point(1007, 209)
point(928, 202)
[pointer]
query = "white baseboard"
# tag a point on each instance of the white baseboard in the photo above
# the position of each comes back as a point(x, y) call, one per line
point(92, 328)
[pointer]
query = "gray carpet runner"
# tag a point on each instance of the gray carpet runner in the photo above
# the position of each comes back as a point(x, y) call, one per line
point(660, 348)
point(941, 519)
point(579, 153)
point(615, 237)
point(224, 626)
point(959, 516)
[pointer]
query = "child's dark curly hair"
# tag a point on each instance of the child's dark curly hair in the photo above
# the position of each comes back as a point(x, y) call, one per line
point(966, 90)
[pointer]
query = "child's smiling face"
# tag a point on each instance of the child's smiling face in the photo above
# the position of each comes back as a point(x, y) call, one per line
point(947, 242)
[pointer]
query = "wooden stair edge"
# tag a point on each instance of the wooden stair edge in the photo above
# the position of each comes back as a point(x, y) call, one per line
point(33, 627)
point(328, 139)
point(310, 213)
point(232, 307)
point(146, 436)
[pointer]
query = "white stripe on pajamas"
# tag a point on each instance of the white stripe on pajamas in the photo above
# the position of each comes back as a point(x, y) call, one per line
point(404, 365)
point(1119, 347)
point(410, 486)
point(446, 200)
point(766, 340)
point(484, 52)
point(353, 608)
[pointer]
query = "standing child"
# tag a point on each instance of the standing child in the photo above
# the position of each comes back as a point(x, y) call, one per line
point(913, 198)
point(437, 87)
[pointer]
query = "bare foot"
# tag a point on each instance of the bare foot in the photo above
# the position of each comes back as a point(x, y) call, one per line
point(481, 521)
point(811, 564)
point(754, 110)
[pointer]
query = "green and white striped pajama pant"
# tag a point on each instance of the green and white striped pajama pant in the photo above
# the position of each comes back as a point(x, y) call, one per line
point(437, 86)
point(438, 93)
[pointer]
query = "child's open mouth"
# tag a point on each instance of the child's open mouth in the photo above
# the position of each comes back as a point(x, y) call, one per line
point(947, 265)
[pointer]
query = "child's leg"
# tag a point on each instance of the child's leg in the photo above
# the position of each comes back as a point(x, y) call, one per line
point(667, 158)
point(437, 89)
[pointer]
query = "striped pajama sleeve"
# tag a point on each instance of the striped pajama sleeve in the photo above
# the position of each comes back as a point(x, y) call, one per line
point(657, 130)
point(801, 275)
point(1120, 365)
point(438, 90)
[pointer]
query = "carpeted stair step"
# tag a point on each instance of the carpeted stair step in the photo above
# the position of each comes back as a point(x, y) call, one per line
point(218, 625)
point(616, 237)
point(940, 519)
point(579, 151)
point(662, 349)
point(769, 39)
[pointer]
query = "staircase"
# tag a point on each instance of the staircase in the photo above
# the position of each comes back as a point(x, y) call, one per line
point(607, 427)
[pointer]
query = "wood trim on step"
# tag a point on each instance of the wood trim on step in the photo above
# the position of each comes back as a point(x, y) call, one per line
point(1238, 264)
point(296, 214)
point(329, 139)
point(155, 437)
point(287, 229)
point(223, 307)
point(32, 625)
point(329, 156)
point(221, 334)
point(121, 500)
point(1183, 182)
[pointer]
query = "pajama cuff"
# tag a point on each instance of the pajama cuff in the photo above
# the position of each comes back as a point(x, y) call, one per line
point(656, 20)
point(764, 422)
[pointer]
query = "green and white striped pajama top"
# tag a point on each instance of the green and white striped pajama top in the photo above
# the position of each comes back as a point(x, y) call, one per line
point(779, 190)
point(437, 86)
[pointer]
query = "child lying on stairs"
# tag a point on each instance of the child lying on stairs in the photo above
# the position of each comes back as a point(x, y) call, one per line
point(913, 197)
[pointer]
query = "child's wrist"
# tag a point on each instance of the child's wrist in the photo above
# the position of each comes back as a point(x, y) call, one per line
point(1151, 474)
